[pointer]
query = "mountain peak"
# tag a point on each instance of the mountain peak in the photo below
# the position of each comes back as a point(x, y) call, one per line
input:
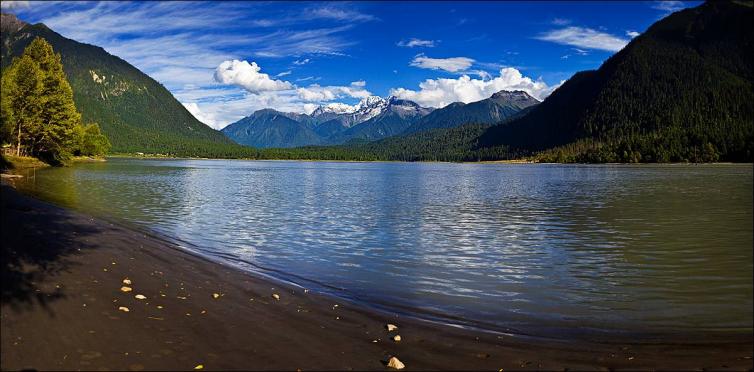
point(511, 94)
point(370, 102)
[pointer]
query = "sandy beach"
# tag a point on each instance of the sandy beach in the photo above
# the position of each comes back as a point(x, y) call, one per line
point(63, 309)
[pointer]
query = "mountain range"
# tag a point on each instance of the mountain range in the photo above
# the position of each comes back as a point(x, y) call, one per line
point(135, 112)
point(373, 118)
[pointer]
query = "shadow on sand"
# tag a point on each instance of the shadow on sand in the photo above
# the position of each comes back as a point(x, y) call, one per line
point(36, 241)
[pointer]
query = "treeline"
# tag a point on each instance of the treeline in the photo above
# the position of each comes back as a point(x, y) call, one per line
point(451, 144)
point(37, 110)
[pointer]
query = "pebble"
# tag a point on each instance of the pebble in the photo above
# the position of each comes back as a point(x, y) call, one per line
point(125, 289)
point(276, 296)
point(215, 295)
point(140, 297)
point(127, 281)
point(397, 338)
point(391, 327)
point(123, 308)
point(199, 366)
point(393, 362)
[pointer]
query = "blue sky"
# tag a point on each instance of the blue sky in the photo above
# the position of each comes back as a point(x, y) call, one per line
point(224, 60)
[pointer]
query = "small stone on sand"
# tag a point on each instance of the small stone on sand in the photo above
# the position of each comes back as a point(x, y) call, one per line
point(391, 327)
point(123, 308)
point(215, 295)
point(199, 366)
point(276, 296)
point(140, 297)
point(125, 289)
point(127, 281)
point(393, 362)
point(397, 338)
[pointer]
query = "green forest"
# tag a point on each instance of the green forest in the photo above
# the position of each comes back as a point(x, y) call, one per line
point(39, 117)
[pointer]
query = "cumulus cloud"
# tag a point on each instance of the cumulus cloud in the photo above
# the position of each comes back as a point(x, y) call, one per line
point(413, 42)
point(248, 76)
point(584, 38)
point(205, 118)
point(453, 64)
point(441, 92)
point(317, 93)
point(632, 34)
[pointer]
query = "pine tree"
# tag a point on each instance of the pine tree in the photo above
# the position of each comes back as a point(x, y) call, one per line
point(22, 90)
point(38, 108)
point(58, 115)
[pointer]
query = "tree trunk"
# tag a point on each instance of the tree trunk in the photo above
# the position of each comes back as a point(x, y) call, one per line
point(18, 148)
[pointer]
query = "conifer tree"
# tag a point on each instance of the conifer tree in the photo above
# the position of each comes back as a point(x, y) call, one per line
point(58, 115)
point(22, 90)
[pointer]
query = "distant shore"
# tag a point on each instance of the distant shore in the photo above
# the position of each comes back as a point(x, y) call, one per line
point(514, 161)
point(63, 307)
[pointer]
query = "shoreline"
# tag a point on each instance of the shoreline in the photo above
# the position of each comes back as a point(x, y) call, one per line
point(58, 297)
point(507, 162)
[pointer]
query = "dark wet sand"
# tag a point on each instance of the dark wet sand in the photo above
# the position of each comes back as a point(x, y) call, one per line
point(61, 279)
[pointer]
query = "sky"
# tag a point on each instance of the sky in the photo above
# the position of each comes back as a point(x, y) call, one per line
point(225, 60)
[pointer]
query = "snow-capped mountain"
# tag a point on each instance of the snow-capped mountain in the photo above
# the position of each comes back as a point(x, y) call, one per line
point(348, 115)
point(372, 118)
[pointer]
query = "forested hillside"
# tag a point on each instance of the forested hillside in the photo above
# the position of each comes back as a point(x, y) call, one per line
point(135, 112)
point(682, 91)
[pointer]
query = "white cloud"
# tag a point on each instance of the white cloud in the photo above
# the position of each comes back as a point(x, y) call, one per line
point(300, 62)
point(632, 34)
point(205, 118)
point(668, 6)
point(339, 13)
point(360, 83)
point(561, 21)
point(8, 5)
point(284, 73)
point(317, 93)
point(413, 42)
point(584, 38)
point(441, 92)
point(248, 76)
point(195, 35)
point(453, 64)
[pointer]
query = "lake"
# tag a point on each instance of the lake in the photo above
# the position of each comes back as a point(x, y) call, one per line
point(523, 248)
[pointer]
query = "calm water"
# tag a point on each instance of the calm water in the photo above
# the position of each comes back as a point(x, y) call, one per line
point(517, 247)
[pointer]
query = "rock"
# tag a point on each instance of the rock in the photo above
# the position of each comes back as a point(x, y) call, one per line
point(124, 309)
point(215, 295)
point(397, 338)
point(391, 327)
point(140, 297)
point(199, 366)
point(127, 281)
point(125, 289)
point(393, 362)
point(276, 296)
